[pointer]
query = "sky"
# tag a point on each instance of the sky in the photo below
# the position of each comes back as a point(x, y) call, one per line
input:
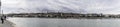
point(69, 6)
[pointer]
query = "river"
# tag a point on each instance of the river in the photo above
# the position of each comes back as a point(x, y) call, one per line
point(45, 22)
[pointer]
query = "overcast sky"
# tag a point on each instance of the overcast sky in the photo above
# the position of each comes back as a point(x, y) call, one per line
point(75, 6)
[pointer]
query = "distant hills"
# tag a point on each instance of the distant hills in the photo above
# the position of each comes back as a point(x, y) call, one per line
point(63, 15)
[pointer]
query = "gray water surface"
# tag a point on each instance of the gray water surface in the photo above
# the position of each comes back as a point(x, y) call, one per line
point(43, 22)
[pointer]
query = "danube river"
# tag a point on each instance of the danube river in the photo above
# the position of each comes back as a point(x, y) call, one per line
point(46, 22)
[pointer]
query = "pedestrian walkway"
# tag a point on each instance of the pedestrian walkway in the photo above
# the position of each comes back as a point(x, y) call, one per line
point(6, 24)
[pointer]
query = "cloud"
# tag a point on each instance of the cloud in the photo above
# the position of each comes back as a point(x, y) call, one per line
point(75, 6)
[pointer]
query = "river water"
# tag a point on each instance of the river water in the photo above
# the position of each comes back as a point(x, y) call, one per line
point(44, 22)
